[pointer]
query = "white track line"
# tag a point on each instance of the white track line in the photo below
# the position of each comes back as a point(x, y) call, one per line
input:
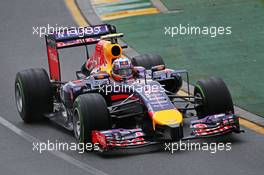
point(88, 168)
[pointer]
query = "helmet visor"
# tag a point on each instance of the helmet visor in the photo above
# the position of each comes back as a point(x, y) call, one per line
point(124, 72)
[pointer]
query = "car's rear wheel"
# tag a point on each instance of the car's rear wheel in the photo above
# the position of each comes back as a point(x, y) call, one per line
point(33, 94)
point(147, 60)
point(90, 113)
point(150, 60)
point(215, 97)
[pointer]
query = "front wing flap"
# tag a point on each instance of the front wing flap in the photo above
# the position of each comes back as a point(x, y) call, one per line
point(215, 125)
point(119, 138)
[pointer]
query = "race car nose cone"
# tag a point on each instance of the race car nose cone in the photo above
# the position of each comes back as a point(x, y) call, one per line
point(169, 124)
point(167, 117)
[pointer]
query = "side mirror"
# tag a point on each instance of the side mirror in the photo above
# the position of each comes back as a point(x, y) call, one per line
point(139, 71)
point(157, 68)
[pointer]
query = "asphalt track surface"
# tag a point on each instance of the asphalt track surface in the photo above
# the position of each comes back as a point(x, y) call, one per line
point(21, 50)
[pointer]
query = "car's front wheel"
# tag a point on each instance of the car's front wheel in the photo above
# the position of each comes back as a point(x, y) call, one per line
point(214, 97)
point(89, 113)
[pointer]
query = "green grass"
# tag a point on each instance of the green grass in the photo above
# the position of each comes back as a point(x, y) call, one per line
point(237, 58)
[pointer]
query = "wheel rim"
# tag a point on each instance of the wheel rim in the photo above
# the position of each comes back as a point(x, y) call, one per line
point(19, 97)
point(77, 124)
point(198, 95)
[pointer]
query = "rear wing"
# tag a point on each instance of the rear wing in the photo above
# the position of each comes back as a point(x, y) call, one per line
point(72, 37)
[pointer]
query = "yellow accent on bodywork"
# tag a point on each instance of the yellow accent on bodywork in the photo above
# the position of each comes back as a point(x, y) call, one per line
point(167, 117)
point(107, 49)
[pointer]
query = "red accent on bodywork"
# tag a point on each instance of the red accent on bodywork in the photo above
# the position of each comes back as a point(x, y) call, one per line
point(97, 137)
point(151, 113)
point(203, 132)
point(98, 58)
point(54, 65)
point(122, 96)
point(53, 59)
point(116, 77)
point(119, 97)
point(76, 42)
point(200, 126)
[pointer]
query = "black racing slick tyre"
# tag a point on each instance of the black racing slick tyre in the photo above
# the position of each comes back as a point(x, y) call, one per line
point(90, 113)
point(215, 97)
point(33, 94)
point(147, 60)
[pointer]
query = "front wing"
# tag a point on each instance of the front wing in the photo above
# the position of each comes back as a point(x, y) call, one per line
point(210, 126)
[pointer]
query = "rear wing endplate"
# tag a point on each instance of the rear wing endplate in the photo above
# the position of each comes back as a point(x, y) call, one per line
point(72, 37)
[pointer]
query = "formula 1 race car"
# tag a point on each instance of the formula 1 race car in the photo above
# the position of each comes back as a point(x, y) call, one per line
point(120, 102)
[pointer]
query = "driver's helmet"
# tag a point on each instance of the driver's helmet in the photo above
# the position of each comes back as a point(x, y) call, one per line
point(122, 69)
